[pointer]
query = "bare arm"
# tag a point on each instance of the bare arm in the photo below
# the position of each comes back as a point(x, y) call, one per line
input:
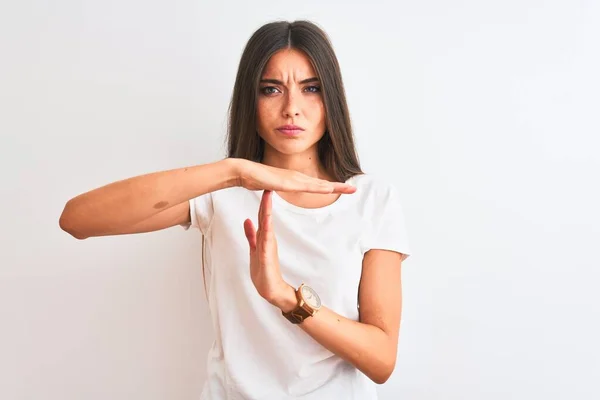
point(370, 344)
point(144, 203)
point(159, 200)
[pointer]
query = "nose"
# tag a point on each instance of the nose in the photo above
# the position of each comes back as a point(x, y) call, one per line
point(291, 107)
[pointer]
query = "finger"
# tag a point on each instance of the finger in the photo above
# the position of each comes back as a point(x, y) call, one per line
point(261, 210)
point(345, 188)
point(327, 187)
point(250, 234)
point(307, 184)
point(267, 212)
point(316, 185)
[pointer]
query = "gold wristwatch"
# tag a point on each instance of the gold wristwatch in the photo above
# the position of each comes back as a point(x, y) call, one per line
point(309, 303)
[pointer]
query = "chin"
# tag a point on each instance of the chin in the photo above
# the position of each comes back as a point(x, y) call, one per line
point(291, 147)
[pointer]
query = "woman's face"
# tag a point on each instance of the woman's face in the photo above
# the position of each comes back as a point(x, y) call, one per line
point(290, 94)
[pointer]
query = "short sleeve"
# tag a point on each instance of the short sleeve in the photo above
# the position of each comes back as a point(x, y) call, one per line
point(387, 227)
point(201, 213)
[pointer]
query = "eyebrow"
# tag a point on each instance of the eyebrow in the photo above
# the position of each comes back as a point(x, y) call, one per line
point(277, 82)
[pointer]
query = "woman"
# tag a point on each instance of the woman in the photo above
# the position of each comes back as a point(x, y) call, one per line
point(317, 313)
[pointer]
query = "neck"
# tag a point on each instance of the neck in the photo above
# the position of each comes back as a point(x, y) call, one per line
point(307, 163)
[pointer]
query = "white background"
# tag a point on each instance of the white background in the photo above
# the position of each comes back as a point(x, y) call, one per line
point(483, 113)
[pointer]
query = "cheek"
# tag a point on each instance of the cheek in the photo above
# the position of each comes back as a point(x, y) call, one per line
point(318, 116)
point(267, 108)
point(317, 109)
point(262, 114)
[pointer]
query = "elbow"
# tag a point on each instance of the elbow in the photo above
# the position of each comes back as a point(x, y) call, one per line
point(382, 376)
point(67, 223)
point(383, 371)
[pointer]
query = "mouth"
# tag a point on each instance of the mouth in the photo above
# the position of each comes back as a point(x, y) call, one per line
point(290, 130)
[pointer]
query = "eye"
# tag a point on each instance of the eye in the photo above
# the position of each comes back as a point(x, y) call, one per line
point(313, 89)
point(268, 90)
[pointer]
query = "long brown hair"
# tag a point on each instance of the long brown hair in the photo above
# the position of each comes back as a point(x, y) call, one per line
point(336, 148)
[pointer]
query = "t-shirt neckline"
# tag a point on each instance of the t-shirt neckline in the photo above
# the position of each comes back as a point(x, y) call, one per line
point(279, 201)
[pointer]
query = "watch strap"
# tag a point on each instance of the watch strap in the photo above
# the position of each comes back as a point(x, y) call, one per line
point(297, 315)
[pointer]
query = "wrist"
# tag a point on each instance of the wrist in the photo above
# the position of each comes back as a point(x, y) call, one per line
point(233, 168)
point(285, 299)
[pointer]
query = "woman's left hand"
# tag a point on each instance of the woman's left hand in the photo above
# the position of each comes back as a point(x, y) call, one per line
point(264, 260)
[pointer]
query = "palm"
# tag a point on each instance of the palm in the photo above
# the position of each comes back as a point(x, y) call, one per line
point(264, 260)
point(257, 176)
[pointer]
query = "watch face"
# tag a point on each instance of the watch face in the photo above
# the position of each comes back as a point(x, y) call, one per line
point(311, 297)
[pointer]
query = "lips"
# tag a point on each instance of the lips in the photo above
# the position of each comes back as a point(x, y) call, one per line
point(290, 129)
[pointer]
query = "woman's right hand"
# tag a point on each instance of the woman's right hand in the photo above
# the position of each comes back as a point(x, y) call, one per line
point(257, 176)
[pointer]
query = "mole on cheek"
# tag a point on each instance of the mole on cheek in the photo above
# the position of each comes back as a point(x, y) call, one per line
point(161, 204)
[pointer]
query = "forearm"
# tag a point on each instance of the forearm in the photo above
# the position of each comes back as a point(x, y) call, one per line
point(132, 200)
point(365, 346)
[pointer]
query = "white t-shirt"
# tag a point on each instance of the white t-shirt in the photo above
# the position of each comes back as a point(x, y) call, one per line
point(257, 353)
